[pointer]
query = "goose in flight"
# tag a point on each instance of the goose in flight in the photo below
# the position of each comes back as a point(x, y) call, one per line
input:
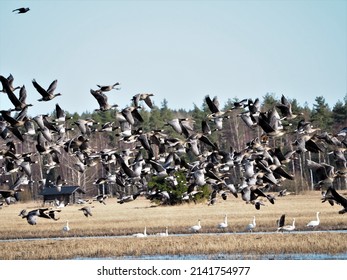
point(31, 219)
point(334, 197)
point(146, 97)
point(286, 109)
point(87, 211)
point(240, 104)
point(22, 10)
point(128, 198)
point(60, 114)
point(101, 198)
point(102, 100)
point(108, 87)
point(48, 94)
point(19, 103)
point(181, 125)
point(325, 173)
point(32, 215)
point(217, 116)
point(314, 223)
point(271, 124)
point(8, 195)
point(7, 84)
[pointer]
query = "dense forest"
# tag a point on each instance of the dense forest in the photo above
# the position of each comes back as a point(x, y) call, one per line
point(96, 150)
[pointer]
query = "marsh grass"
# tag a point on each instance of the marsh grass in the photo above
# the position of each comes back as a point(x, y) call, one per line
point(114, 219)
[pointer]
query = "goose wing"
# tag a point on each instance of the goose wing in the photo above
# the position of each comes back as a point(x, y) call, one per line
point(22, 94)
point(52, 87)
point(148, 101)
point(281, 221)
point(333, 194)
point(43, 214)
point(13, 98)
point(211, 105)
point(39, 89)
point(5, 84)
point(100, 97)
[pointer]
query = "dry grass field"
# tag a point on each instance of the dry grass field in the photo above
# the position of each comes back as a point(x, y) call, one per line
point(114, 219)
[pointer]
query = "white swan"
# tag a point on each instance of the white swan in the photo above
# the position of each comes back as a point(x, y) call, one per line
point(66, 228)
point(287, 227)
point(314, 223)
point(166, 233)
point(224, 224)
point(144, 234)
point(251, 226)
point(196, 228)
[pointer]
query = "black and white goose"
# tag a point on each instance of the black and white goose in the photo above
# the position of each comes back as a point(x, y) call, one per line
point(106, 88)
point(87, 210)
point(332, 196)
point(48, 94)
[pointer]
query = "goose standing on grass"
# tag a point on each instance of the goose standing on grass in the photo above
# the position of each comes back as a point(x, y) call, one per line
point(224, 224)
point(314, 223)
point(144, 234)
point(196, 228)
point(250, 227)
point(166, 233)
point(66, 228)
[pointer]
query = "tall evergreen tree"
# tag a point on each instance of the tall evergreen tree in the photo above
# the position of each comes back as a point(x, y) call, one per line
point(339, 114)
point(269, 101)
point(321, 114)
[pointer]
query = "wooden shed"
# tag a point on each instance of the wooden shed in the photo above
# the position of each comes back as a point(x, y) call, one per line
point(66, 195)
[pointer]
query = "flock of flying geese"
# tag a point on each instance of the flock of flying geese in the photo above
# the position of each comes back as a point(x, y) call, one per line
point(261, 163)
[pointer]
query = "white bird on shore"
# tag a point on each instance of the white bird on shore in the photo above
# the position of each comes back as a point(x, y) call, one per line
point(196, 228)
point(66, 228)
point(250, 227)
point(314, 223)
point(166, 233)
point(282, 227)
point(141, 234)
point(224, 224)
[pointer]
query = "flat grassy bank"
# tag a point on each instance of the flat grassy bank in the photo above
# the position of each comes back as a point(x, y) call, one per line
point(114, 219)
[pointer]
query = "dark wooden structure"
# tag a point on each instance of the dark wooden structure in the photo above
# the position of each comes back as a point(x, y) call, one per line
point(66, 195)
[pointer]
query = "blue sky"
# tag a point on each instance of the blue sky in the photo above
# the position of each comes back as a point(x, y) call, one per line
point(178, 50)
